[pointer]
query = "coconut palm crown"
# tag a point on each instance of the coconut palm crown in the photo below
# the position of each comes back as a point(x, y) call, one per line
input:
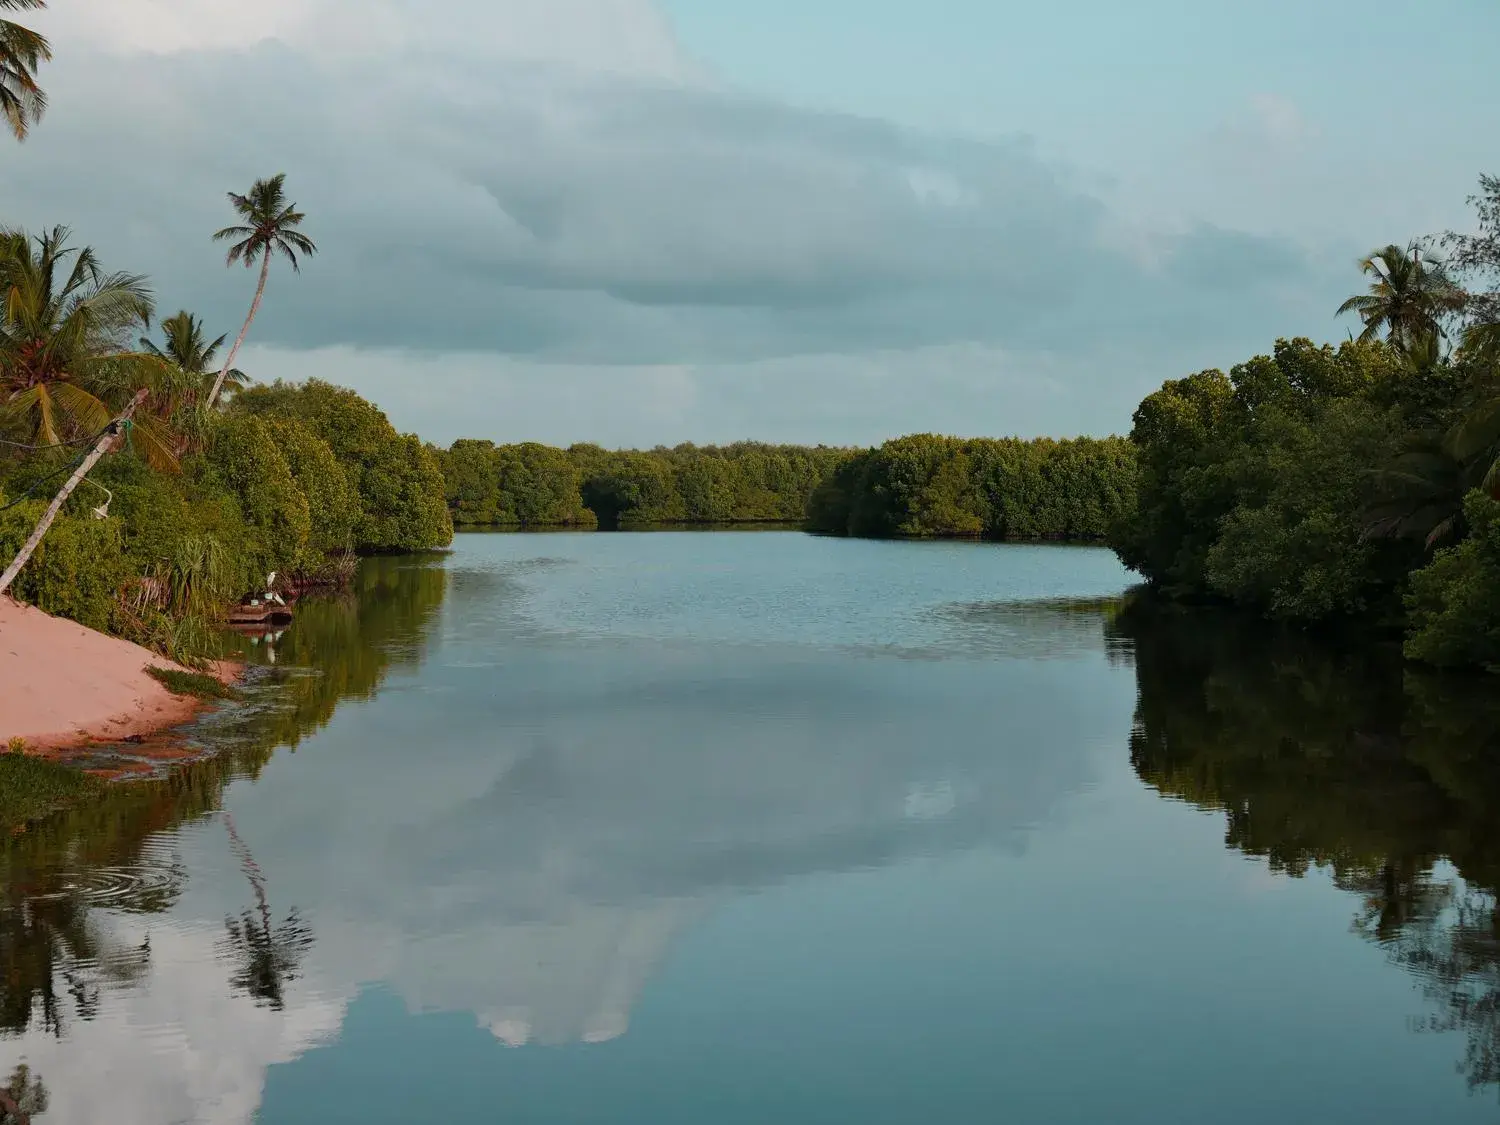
point(269, 227)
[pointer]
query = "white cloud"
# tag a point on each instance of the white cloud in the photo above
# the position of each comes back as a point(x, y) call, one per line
point(657, 255)
point(1280, 121)
point(625, 37)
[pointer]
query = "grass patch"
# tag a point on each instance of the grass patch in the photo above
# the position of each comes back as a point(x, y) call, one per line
point(196, 684)
point(31, 788)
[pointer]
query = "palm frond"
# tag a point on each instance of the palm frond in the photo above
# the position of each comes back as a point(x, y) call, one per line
point(155, 441)
point(1479, 431)
point(1491, 482)
point(22, 51)
point(1442, 533)
point(87, 414)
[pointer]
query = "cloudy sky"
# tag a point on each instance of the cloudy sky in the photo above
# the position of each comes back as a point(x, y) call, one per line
point(648, 221)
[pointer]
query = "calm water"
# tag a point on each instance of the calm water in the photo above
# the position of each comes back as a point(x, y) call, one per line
point(754, 828)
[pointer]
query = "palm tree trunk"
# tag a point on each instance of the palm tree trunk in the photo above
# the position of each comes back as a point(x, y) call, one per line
point(101, 447)
point(260, 291)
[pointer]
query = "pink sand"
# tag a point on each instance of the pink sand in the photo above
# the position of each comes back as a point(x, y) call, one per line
point(62, 685)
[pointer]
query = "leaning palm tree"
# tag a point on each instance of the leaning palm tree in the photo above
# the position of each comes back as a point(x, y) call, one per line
point(270, 226)
point(65, 367)
point(22, 52)
point(1409, 295)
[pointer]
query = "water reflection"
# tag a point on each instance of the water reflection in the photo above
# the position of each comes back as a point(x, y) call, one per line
point(1332, 755)
point(523, 820)
point(23, 1097)
point(87, 896)
point(266, 955)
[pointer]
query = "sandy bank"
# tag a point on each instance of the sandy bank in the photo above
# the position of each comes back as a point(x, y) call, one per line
point(62, 685)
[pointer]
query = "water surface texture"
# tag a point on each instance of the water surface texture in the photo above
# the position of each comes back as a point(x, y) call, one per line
point(747, 828)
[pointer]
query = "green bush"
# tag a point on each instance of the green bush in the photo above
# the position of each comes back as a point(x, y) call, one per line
point(633, 488)
point(928, 486)
point(245, 458)
point(397, 479)
point(1454, 602)
point(194, 684)
point(532, 485)
point(332, 504)
point(76, 572)
point(1255, 487)
point(471, 484)
point(1294, 546)
point(267, 492)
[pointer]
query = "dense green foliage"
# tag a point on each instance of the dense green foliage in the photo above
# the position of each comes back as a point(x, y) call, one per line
point(397, 480)
point(1359, 483)
point(332, 504)
point(75, 573)
point(526, 485)
point(244, 459)
point(1254, 486)
point(1455, 601)
point(1003, 489)
point(1313, 485)
point(531, 485)
point(914, 486)
point(265, 492)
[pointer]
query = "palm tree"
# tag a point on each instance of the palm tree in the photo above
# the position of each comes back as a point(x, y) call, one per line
point(65, 369)
point(269, 227)
point(185, 347)
point(22, 52)
point(1409, 294)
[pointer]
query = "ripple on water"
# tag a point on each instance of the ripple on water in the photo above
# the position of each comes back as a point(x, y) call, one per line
point(148, 885)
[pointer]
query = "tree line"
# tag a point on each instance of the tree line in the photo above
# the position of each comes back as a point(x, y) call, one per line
point(1326, 484)
point(532, 485)
point(920, 486)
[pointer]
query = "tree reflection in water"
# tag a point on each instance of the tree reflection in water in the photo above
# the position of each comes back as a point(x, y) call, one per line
point(1334, 755)
point(1319, 755)
point(266, 955)
point(60, 879)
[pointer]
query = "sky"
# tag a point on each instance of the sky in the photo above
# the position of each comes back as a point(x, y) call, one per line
point(640, 222)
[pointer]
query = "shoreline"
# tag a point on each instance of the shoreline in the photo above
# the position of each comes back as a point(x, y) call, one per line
point(66, 689)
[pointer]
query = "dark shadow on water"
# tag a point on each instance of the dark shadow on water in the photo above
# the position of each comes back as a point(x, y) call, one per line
point(1337, 756)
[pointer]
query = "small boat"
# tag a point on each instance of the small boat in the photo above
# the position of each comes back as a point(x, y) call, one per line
point(266, 609)
point(257, 612)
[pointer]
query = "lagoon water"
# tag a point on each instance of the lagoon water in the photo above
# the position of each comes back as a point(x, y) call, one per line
point(758, 827)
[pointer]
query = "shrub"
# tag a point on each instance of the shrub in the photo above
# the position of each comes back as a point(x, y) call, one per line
point(332, 503)
point(397, 479)
point(1454, 602)
point(244, 457)
point(76, 572)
